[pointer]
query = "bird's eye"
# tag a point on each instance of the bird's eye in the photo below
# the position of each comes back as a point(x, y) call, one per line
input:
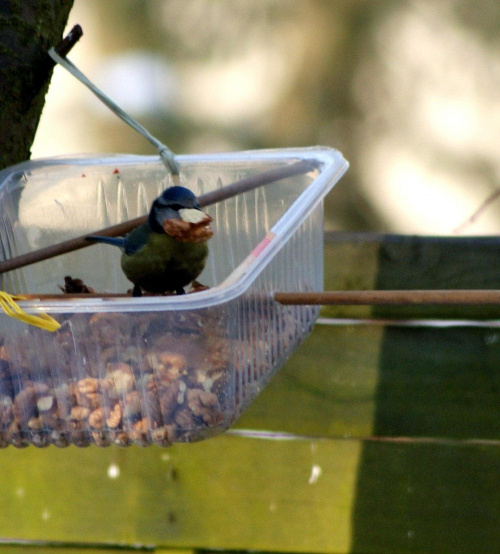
point(176, 207)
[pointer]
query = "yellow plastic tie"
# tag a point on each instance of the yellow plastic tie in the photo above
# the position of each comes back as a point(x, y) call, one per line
point(9, 306)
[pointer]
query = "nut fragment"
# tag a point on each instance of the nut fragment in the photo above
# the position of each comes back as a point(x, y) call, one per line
point(24, 405)
point(168, 400)
point(115, 417)
point(72, 286)
point(97, 418)
point(185, 419)
point(100, 438)
point(79, 413)
point(194, 216)
point(121, 376)
point(139, 433)
point(45, 403)
point(164, 436)
point(132, 405)
point(186, 231)
point(88, 385)
point(35, 423)
point(205, 404)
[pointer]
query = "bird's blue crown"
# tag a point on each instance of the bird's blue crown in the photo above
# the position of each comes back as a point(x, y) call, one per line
point(178, 195)
point(169, 203)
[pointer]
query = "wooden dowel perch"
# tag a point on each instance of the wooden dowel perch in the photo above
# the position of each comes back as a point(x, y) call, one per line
point(391, 297)
point(218, 195)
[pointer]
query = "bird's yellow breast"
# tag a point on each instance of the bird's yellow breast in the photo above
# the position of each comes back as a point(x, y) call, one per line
point(164, 264)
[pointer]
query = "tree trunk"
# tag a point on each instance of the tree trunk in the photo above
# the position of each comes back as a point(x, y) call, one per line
point(28, 28)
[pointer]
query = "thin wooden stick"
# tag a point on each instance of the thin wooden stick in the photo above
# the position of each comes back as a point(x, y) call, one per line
point(472, 219)
point(344, 297)
point(244, 185)
point(255, 181)
point(390, 297)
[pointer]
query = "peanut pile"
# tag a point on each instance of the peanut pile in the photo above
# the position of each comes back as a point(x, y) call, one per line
point(116, 379)
point(141, 378)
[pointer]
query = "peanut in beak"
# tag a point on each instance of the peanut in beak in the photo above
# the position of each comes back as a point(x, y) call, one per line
point(189, 231)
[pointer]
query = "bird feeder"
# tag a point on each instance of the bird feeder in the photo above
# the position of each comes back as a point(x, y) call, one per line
point(155, 369)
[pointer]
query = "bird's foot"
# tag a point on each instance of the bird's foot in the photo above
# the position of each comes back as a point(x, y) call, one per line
point(180, 290)
point(137, 291)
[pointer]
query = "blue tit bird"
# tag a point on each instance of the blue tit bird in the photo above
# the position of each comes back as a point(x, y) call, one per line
point(169, 251)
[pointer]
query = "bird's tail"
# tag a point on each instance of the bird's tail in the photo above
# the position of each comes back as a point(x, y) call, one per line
point(115, 241)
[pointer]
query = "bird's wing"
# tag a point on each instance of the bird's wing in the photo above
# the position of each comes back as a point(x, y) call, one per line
point(137, 238)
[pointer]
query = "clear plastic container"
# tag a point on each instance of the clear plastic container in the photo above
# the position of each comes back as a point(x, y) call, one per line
point(154, 370)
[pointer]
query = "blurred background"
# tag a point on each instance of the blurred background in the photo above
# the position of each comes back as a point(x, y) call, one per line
point(407, 90)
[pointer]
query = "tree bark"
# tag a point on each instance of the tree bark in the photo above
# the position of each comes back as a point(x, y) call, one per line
point(28, 28)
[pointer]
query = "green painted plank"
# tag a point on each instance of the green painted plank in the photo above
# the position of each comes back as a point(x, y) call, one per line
point(427, 498)
point(300, 496)
point(226, 492)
